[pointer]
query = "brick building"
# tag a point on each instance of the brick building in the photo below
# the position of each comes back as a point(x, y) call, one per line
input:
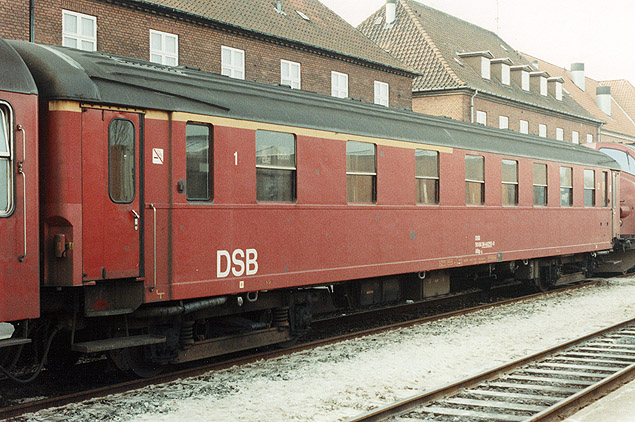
point(471, 74)
point(597, 98)
point(623, 92)
point(300, 43)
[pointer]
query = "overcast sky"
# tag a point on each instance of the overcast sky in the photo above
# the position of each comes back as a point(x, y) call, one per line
point(599, 34)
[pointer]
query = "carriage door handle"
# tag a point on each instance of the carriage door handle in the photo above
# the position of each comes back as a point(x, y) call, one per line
point(136, 219)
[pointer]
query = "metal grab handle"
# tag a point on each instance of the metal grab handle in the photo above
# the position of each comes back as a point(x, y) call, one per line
point(154, 241)
point(137, 217)
point(20, 128)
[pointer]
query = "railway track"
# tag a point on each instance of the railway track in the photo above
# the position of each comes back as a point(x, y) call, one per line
point(121, 387)
point(539, 387)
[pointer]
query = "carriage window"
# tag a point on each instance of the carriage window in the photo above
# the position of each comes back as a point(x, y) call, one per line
point(540, 184)
point(621, 157)
point(198, 158)
point(121, 158)
point(510, 182)
point(361, 172)
point(275, 166)
point(589, 188)
point(427, 174)
point(6, 184)
point(605, 191)
point(566, 186)
point(474, 180)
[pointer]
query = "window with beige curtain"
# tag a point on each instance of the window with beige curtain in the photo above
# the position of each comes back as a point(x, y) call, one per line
point(427, 175)
point(361, 172)
point(474, 180)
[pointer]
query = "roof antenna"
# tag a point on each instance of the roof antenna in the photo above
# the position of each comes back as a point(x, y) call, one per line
point(498, 17)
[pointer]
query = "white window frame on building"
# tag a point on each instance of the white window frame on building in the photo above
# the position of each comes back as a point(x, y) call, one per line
point(230, 65)
point(559, 134)
point(505, 74)
point(575, 137)
point(542, 130)
point(481, 117)
point(589, 138)
point(167, 50)
point(524, 127)
point(503, 122)
point(382, 93)
point(80, 37)
point(290, 74)
point(525, 80)
point(339, 84)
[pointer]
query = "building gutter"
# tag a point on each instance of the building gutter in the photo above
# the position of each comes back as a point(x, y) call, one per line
point(31, 20)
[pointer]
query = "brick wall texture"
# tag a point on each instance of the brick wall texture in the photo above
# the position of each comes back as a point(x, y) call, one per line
point(457, 106)
point(125, 31)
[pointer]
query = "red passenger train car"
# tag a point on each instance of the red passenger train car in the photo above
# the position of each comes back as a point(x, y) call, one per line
point(184, 214)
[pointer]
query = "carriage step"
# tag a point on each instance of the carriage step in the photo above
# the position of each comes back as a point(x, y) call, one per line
point(14, 342)
point(98, 346)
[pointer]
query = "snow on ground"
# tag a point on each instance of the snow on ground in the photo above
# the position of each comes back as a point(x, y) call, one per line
point(339, 381)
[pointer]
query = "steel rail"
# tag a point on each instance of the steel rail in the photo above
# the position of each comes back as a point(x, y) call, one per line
point(411, 404)
point(77, 397)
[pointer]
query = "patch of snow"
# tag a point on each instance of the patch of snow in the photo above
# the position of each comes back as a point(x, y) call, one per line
point(339, 381)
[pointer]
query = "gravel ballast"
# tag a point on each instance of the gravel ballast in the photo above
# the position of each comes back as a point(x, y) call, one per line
point(335, 382)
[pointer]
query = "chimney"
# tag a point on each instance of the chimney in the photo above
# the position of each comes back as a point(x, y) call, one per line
point(603, 98)
point(577, 75)
point(391, 11)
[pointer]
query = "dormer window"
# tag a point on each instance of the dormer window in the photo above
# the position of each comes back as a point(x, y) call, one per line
point(539, 82)
point(555, 87)
point(520, 76)
point(501, 70)
point(479, 61)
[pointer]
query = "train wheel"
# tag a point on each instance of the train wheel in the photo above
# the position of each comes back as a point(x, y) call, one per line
point(135, 361)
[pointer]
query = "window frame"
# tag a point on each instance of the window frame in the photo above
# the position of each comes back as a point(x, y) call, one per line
point(559, 134)
point(232, 68)
point(134, 162)
point(290, 80)
point(575, 137)
point(435, 178)
point(373, 175)
point(566, 188)
point(78, 37)
point(379, 98)
point(508, 184)
point(210, 163)
point(526, 129)
point(163, 54)
point(6, 116)
point(502, 119)
point(278, 168)
point(469, 181)
point(589, 190)
point(481, 117)
point(542, 130)
point(544, 187)
point(336, 90)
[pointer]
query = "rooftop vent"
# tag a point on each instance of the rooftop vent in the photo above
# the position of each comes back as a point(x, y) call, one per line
point(279, 8)
point(303, 16)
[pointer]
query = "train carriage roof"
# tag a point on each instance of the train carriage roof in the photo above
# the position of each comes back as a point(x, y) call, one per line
point(15, 75)
point(68, 74)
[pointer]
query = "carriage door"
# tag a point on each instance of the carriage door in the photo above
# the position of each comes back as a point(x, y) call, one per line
point(112, 212)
